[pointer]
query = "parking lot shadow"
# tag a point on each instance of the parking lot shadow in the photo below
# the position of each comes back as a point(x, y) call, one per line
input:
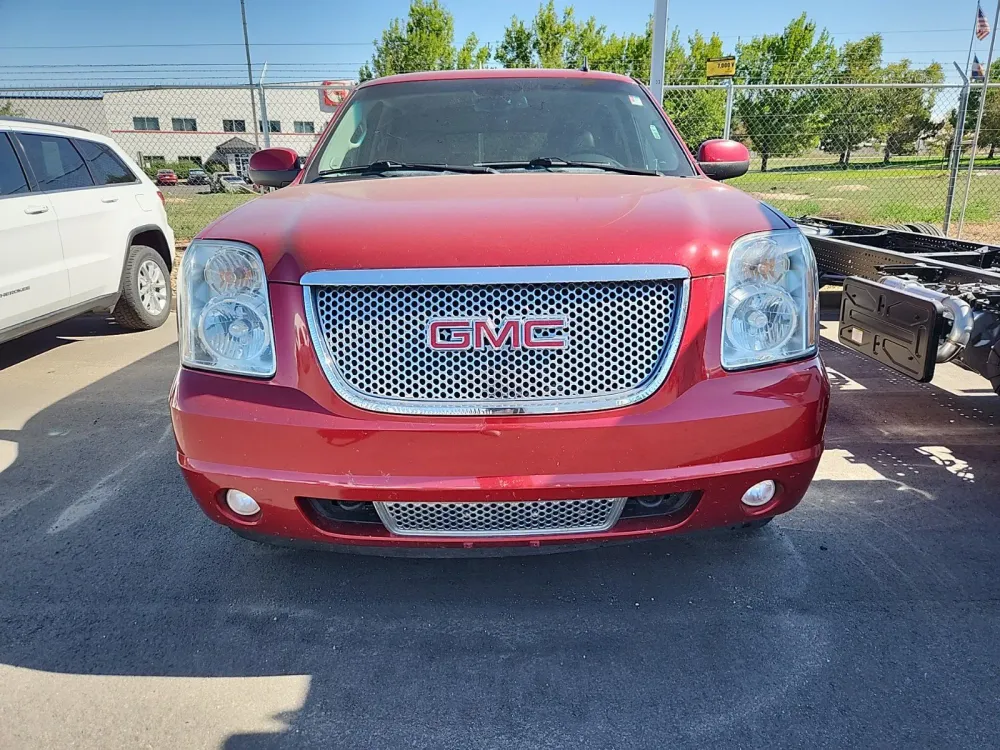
point(826, 624)
point(53, 337)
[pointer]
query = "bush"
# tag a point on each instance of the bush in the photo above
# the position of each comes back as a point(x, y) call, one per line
point(181, 168)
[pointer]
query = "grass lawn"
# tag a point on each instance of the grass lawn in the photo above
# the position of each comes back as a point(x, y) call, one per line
point(188, 215)
point(818, 160)
point(905, 192)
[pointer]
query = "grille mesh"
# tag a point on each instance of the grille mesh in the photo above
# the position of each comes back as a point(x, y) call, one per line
point(500, 519)
point(376, 337)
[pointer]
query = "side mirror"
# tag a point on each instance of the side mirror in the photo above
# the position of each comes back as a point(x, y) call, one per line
point(720, 159)
point(274, 167)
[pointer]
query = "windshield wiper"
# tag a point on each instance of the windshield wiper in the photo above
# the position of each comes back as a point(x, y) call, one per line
point(550, 162)
point(381, 167)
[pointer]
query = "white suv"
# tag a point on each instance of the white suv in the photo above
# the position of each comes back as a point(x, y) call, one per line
point(82, 229)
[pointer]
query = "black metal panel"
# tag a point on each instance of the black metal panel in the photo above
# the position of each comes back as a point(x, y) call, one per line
point(891, 326)
point(848, 257)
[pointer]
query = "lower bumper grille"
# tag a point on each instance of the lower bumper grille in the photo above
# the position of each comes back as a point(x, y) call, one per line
point(500, 519)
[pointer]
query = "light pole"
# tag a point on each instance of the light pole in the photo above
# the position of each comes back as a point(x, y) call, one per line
point(253, 99)
point(659, 61)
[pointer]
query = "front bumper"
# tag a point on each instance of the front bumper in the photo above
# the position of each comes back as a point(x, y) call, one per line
point(290, 440)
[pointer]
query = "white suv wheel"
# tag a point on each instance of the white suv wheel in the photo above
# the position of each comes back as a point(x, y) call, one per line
point(145, 297)
point(152, 287)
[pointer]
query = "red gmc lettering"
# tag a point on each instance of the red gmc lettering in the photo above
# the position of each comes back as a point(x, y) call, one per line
point(483, 329)
point(554, 342)
point(460, 338)
point(481, 334)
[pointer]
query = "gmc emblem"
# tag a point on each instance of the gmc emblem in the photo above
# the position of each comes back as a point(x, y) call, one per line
point(455, 333)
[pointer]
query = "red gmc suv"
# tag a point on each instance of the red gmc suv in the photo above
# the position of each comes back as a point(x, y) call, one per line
point(498, 308)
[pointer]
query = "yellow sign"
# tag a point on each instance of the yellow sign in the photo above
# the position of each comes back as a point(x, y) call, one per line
point(721, 67)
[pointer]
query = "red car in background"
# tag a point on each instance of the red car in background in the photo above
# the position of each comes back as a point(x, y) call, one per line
point(166, 177)
point(498, 308)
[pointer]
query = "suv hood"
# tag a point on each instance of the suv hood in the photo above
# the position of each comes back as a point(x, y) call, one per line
point(519, 219)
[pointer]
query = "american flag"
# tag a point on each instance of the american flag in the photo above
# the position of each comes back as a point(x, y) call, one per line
point(982, 25)
point(977, 69)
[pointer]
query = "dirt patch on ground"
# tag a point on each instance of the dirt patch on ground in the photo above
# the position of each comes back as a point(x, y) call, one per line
point(176, 200)
point(988, 232)
point(849, 188)
point(781, 196)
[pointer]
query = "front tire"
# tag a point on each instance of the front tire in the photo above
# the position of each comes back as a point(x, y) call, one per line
point(145, 298)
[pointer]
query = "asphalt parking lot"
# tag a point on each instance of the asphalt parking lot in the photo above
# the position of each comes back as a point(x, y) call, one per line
point(867, 617)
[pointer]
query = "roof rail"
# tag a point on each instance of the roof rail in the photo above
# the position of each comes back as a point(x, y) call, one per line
point(30, 121)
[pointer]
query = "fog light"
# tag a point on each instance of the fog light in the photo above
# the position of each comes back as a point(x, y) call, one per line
point(241, 503)
point(760, 494)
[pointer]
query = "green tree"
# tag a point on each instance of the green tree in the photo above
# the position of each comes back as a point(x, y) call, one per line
point(588, 42)
point(631, 53)
point(550, 35)
point(472, 54)
point(698, 114)
point(905, 115)
point(7, 109)
point(553, 40)
point(851, 116)
point(989, 131)
point(425, 42)
point(514, 51)
point(783, 121)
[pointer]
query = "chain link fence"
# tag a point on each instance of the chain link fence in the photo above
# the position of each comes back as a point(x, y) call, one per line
point(871, 153)
point(203, 135)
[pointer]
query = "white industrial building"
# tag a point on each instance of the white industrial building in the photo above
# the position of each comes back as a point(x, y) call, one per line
point(201, 125)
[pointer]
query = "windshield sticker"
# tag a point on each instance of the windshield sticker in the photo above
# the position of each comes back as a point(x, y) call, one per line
point(636, 101)
point(654, 131)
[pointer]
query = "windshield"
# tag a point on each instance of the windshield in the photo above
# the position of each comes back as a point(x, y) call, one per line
point(469, 122)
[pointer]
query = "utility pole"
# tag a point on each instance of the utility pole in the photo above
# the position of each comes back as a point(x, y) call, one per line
point(253, 99)
point(660, 9)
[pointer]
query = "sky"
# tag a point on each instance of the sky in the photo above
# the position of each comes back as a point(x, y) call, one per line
point(168, 41)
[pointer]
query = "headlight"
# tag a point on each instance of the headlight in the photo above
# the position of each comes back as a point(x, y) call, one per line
point(771, 312)
point(224, 314)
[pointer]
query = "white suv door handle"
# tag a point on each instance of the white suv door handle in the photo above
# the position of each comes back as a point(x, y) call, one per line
point(109, 200)
point(36, 209)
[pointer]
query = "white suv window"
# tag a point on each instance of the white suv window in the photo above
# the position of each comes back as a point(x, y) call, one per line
point(56, 164)
point(12, 179)
point(105, 167)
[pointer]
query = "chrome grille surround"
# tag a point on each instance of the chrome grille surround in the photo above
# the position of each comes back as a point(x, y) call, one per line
point(501, 519)
point(368, 329)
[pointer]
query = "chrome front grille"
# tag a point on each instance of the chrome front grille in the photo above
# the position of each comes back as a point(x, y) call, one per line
point(500, 519)
point(621, 328)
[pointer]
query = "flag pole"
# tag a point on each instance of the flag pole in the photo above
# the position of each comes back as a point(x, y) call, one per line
point(955, 158)
point(979, 119)
point(972, 41)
